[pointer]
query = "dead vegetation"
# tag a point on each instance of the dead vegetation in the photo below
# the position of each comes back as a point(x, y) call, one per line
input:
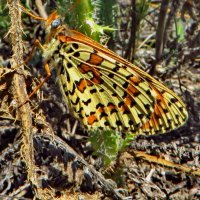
point(41, 156)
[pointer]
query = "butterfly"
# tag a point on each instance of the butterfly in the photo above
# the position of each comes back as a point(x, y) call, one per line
point(103, 90)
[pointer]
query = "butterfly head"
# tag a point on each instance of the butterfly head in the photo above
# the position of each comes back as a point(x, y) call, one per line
point(56, 23)
point(54, 26)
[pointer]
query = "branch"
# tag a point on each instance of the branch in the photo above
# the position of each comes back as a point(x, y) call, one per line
point(19, 87)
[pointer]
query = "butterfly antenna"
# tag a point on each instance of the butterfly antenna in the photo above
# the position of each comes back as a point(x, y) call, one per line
point(31, 14)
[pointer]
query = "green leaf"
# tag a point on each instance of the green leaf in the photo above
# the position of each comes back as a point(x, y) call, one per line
point(84, 16)
point(180, 30)
point(4, 18)
point(107, 144)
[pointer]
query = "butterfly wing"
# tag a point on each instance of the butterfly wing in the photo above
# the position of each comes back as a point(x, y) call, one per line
point(105, 91)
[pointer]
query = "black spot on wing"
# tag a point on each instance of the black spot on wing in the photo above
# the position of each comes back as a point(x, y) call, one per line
point(75, 45)
point(111, 75)
point(73, 90)
point(87, 102)
point(69, 65)
point(118, 123)
point(131, 122)
point(148, 92)
point(147, 106)
point(103, 114)
point(76, 54)
point(114, 94)
point(114, 85)
point(101, 90)
point(70, 50)
point(99, 105)
point(106, 123)
point(115, 69)
point(133, 103)
point(125, 85)
point(76, 101)
point(92, 91)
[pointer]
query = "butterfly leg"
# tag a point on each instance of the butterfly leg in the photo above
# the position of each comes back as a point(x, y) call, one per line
point(47, 70)
point(35, 44)
point(14, 69)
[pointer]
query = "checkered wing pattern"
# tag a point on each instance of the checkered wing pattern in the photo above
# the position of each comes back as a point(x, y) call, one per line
point(104, 91)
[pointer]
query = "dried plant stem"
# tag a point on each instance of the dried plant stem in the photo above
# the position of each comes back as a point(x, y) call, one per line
point(19, 86)
point(166, 163)
point(41, 9)
point(134, 28)
point(161, 29)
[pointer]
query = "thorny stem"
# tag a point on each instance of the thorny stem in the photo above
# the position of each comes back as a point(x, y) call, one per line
point(19, 86)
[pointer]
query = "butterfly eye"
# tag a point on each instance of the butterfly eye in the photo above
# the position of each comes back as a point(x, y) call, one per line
point(56, 23)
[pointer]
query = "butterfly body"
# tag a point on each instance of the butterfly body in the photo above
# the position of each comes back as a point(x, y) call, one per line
point(104, 91)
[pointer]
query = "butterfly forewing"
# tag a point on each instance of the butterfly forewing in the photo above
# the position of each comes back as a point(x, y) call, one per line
point(104, 91)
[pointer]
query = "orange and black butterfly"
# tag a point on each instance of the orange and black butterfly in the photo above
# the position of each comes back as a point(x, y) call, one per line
point(103, 90)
